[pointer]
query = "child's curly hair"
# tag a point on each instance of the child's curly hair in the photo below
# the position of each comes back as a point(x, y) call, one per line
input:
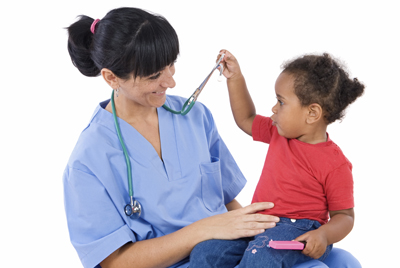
point(320, 79)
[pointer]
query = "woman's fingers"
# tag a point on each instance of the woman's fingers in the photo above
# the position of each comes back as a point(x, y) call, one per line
point(258, 225)
point(242, 222)
point(256, 207)
point(260, 218)
point(247, 222)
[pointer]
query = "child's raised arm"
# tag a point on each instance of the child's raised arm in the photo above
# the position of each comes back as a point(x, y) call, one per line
point(241, 103)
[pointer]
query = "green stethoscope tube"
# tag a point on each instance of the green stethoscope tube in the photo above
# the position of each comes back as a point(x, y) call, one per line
point(127, 160)
point(134, 209)
point(187, 106)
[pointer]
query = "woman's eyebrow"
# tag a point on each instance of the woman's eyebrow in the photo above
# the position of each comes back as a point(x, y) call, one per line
point(154, 76)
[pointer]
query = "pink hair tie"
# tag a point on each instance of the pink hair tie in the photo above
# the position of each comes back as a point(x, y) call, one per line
point(92, 27)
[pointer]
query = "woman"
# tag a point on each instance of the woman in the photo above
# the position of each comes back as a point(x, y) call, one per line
point(182, 173)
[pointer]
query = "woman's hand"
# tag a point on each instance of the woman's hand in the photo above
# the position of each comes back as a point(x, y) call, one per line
point(242, 222)
point(230, 64)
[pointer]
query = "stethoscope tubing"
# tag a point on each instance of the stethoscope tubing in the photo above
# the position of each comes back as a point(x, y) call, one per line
point(187, 106)
point(133, 209)
point(127, 160)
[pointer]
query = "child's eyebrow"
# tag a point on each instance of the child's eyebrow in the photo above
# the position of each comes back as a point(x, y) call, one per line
point(279, 96)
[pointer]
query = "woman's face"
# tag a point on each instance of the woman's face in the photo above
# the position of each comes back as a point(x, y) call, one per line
point(149, 91)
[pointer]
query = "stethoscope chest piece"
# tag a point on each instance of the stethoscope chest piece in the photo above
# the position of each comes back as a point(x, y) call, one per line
point(133, 210)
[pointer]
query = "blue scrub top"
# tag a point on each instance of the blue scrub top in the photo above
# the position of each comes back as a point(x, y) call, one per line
point(197, 178)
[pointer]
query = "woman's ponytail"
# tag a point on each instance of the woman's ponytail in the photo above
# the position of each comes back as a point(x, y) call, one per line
point(79, 46)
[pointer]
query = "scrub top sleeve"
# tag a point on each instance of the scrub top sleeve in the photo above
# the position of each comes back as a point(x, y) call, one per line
point(232, 178)
point(95, 226)
point(233, 181)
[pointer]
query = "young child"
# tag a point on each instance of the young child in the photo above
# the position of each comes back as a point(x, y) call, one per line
point(305, 174)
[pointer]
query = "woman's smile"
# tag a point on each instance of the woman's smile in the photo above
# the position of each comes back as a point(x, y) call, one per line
point(159, 93)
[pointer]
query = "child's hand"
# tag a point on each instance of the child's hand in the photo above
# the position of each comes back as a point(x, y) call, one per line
point(231, 65)
point(316, 243)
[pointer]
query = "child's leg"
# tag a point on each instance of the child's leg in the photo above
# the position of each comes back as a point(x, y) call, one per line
point(218, 253)
point(259, 254)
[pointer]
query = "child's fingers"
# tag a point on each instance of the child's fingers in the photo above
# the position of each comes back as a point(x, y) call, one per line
point(222, 51)
point(303, 237)
point(228, 55)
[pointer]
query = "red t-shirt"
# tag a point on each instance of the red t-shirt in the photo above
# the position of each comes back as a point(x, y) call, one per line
point(305, 181)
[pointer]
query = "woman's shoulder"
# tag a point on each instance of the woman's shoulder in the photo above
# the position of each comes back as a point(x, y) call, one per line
point(92, 141)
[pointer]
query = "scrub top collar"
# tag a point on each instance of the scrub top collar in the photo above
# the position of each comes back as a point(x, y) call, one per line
point(169, 146)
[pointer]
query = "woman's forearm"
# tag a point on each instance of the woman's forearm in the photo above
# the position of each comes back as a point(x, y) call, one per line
point(169, 249)
point(158, 252)
point(234, 204)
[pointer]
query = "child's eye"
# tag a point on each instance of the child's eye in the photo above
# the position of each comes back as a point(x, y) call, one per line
point(280, 102)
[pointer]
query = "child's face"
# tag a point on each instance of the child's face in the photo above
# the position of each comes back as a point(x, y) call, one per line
point(289, 116)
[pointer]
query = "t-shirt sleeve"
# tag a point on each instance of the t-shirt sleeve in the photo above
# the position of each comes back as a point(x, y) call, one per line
point(95, 226)
point(262, 129)
point(339, 188)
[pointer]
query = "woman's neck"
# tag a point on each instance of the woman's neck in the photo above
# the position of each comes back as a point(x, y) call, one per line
point(131, 111)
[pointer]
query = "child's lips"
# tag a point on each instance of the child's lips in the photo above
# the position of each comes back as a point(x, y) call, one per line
point(273, 121)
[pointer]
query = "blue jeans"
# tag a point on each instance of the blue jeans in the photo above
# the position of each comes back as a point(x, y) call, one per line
point(338, 258)
point(218, 253)
point(259, 254)
point(225, 253)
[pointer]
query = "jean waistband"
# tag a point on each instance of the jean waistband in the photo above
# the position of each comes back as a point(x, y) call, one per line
point(301, 223)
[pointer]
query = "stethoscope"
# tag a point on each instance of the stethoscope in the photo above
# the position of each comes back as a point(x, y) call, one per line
point(133, 209)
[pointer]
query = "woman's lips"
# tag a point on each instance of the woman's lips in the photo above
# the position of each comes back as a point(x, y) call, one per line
point(159, 92)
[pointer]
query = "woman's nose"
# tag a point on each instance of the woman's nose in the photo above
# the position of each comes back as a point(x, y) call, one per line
point(169, 81)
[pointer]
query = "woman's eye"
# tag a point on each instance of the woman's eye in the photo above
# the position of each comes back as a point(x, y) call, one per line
point(154, 77)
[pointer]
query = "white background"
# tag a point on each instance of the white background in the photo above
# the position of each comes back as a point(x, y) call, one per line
point(46, 103)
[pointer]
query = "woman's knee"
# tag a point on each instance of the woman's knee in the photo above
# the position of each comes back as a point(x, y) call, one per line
point(341, 259)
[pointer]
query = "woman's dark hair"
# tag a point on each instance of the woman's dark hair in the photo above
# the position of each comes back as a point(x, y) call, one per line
point(127, 41)
point(321, 79)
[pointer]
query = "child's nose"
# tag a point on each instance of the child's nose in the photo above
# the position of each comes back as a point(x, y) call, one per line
point(274, 109)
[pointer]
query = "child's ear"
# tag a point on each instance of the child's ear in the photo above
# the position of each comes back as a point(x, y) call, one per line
point(314, 113)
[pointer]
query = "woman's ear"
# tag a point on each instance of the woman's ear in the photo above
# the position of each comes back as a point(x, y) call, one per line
point(110, 78)
point(314, 113)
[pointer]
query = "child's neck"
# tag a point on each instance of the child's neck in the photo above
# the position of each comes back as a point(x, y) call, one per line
point(315, 135)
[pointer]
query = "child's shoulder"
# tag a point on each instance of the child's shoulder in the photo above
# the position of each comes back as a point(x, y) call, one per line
point(333, 156)
point(323, 157)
